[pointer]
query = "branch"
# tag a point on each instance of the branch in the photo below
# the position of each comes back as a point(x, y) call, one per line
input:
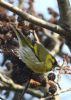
point(65, 22)
point(61, 91)
point(32, 19)
point(10, 85)
point(63, 9)
point(21, 4)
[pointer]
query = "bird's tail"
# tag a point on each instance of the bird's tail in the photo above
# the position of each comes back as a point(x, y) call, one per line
point(22, 39)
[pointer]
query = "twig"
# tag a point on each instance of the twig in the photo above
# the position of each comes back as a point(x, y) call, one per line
point(20, 4)
point(8, 81)
point(37, 39)
point(62, 91)
point(24, 91)
point(58, 85)
point(10, 85)
point(2, 98)
point(15, 87)
point(32, 19)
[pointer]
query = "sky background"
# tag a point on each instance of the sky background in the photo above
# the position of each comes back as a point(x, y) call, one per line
point(42, 5)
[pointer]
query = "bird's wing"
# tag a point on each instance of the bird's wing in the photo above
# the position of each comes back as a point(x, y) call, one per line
point(29, 58)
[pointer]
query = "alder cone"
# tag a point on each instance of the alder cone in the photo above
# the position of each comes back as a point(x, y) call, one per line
point(20, 73)
point(51, 76)
point(53, 89)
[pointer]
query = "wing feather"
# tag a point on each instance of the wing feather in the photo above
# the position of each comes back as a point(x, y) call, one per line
point(29, 58)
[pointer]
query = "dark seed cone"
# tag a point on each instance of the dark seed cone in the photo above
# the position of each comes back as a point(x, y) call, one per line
point(20, 73)
point(51, 76)
point(53, 89)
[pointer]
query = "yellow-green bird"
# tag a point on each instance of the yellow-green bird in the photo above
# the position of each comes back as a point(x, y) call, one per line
point(36, 56)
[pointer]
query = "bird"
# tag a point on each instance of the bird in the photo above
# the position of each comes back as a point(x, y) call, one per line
point(35, 56)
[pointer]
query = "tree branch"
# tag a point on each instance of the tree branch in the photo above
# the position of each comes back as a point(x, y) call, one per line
point(32, 19)
point(10, 85)
point(63, 9)
point(65, 19)
point(21, 4)
point(60, 92)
